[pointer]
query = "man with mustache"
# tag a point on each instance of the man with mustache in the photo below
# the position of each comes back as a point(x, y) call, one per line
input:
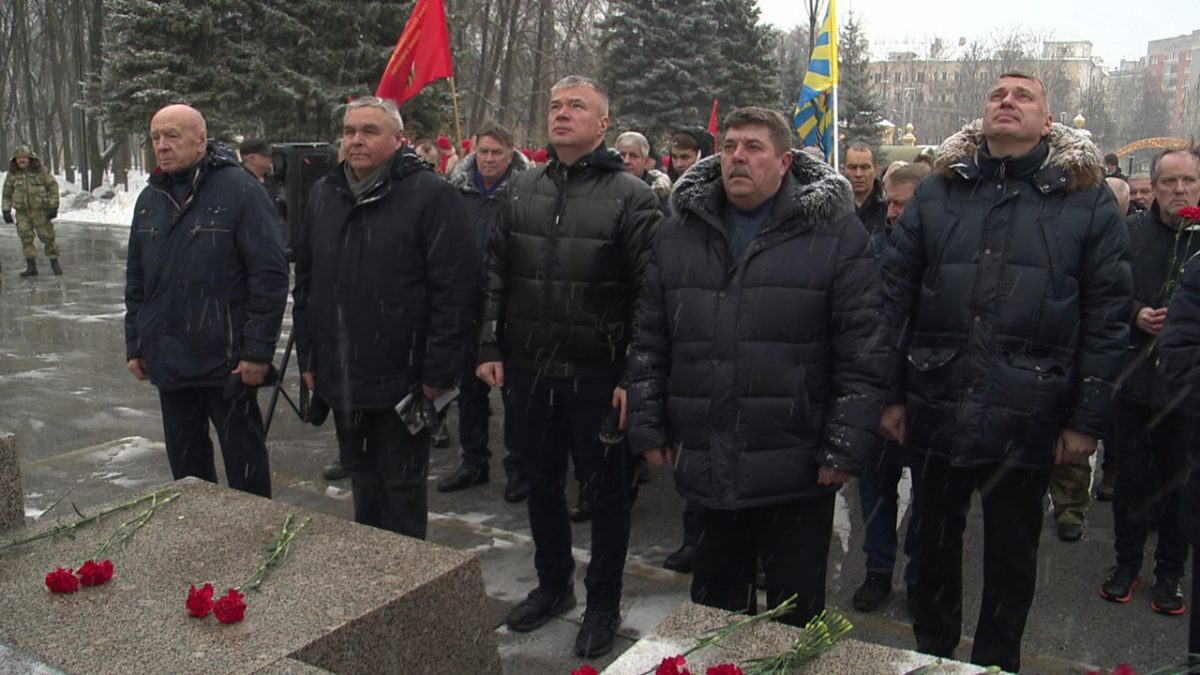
point(763, 416)
point(1008, 300)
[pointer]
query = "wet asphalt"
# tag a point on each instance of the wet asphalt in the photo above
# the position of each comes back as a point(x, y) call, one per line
point(88, 433)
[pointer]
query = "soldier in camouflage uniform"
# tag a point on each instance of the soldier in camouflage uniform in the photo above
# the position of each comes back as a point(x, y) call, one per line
point(33, 193)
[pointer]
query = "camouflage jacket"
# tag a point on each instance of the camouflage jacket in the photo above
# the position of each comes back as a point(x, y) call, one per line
point(31, 188)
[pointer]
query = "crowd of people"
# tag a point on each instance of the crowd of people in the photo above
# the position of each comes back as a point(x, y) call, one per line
point(768, 325)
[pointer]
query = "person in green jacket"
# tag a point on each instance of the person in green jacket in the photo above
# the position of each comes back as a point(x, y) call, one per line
point(33, 193)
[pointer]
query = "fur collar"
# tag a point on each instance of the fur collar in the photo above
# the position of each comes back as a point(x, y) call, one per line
point(463, 175)
point(812, 190)
point(1071, 153)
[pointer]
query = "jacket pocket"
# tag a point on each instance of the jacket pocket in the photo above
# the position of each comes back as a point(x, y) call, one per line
point(1037, 383)
point(927, 359)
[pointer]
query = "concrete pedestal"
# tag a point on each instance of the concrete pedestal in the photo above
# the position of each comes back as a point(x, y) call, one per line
point(12, 499)
point(348, 599)
point(680, 631)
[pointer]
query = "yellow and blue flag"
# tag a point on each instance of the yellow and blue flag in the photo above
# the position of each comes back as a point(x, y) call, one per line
point(813, 118)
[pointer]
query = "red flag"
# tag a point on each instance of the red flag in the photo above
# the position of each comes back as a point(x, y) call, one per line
point(422, 54)
point(712, 121)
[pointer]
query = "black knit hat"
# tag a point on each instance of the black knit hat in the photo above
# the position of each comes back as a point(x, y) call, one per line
point(703, 140)
point(255, 146)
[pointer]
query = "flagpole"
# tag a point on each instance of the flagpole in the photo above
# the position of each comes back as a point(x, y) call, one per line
point(834, 57)
point(457, 118)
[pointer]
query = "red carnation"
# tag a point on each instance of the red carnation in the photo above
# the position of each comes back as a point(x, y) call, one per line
point(1125, 668)
point(724, 669)
point(672, 665)
point(231, 608)
point(62, 581)
point(584, 670)
point(93, 573)
point(1191, 213)
point(200, 601)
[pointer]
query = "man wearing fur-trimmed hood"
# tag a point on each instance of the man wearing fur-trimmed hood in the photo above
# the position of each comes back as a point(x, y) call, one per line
point(758, 366)
point(1007, 297)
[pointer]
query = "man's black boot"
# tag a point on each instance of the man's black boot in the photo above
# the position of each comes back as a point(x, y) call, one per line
point(517, 488)
point(467, 475)
point(30, 268)
point(874, 590)
point(55, 267)
point(681, 560)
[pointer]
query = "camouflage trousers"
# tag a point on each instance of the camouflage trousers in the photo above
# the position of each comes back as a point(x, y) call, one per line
point(30, 223)
point(1071, 492)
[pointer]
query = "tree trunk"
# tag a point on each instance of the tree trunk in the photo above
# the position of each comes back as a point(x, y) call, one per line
point(545, 29)
point(506, 78)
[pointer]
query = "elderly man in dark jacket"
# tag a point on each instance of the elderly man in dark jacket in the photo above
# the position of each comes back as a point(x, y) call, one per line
point(385, 304)
point(759, 363)
point(563, 270)
point(1178, 386)
point(205, 291)
point(1153, 443)
point(482, 178)
point(1008, 296)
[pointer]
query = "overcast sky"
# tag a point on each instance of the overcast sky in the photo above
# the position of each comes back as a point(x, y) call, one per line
point(1117, 28)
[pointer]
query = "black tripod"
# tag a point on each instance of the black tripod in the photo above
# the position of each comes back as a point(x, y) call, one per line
point(301, 408)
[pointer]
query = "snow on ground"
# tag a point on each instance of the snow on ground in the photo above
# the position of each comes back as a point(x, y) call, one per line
point(117, 210)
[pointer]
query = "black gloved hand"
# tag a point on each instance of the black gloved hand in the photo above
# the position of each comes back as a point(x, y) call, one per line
point(53, 214)
point(8, 217)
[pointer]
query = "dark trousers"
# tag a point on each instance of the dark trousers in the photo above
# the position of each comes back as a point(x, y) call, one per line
point(186, 414)
point(1194, 617)
point(547, 416)
point(791, 539)
point(1151, 468)
point(693, 523)
point(474, 410)
point(879, 495)
point(1012, 524)
point(388, 468)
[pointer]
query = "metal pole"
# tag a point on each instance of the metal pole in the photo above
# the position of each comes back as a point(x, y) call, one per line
point(457, 118)
point(833, 58)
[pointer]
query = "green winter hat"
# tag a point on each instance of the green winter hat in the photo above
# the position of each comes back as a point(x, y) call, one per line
point(24, 151)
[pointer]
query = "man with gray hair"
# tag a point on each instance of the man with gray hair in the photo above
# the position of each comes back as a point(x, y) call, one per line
point(1141, 191)
point(563, 270)
point(385, 302)
point(635, 152)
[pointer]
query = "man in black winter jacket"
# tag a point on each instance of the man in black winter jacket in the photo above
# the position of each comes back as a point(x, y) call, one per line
point(205, 291)
point(563, 270)
point(1008, 295)
point(482, 178)
point(860, 167)
point(1152, 443)
point(759, 363)
point(1178, 388)
point(384, 306)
